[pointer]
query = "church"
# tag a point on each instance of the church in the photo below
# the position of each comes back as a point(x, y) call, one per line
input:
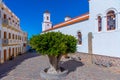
point(102, 22)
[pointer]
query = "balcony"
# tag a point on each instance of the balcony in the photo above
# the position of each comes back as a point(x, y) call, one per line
point(4, 22)
point(13, 42)
point(4, 42)
point(10, 41)
point(13, 26)
point(10, 24)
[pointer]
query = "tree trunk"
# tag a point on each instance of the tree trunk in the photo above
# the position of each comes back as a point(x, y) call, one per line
point(54, 61)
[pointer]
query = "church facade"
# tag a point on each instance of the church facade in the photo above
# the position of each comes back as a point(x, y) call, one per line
point(103, 21)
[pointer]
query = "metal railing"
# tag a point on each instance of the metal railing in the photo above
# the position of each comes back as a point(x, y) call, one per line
point(5, 41)
point(5, 22)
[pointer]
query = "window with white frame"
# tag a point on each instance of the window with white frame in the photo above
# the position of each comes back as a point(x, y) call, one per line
point(79, 38)
point(111, 20)
point(99, 23)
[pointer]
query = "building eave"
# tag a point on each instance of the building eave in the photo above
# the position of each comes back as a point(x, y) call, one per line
point(69, 22)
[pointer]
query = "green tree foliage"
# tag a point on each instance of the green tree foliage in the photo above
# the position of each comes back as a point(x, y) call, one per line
point(53, 44)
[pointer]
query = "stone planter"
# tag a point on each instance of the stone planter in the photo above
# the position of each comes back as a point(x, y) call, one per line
point(47, 76)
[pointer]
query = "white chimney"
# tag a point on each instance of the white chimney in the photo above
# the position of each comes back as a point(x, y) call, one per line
point(67, 18)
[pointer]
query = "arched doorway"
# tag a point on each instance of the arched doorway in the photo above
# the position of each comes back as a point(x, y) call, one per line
point(9, 52)
point(0, 56)
point(16, 51)
point(5, 55)
point(13, 52)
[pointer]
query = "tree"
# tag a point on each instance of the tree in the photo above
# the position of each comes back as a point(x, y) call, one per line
point(53, 44)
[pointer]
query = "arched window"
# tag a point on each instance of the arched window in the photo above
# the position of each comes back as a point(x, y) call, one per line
point(13, 36)
point(99, 23)
point(9, 35)
point(5, 35)
point(5, 16)
point(79, 38)
point(111, 20)
point(47, 18)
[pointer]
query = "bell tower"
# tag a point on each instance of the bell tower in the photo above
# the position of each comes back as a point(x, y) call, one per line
point(46, 24)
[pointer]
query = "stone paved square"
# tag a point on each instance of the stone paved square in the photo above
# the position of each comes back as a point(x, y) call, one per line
point(28, 66)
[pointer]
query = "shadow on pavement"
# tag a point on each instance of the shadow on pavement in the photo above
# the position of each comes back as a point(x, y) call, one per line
point(6, 67)
point(71, 65)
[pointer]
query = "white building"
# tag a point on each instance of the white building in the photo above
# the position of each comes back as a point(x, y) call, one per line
point(13, 40)
point(103, 20)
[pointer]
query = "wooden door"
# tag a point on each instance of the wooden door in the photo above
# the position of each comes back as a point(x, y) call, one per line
point(16, 51)
point(5, 55)
point(9, 53)
point(12, 51)
point(0, 56)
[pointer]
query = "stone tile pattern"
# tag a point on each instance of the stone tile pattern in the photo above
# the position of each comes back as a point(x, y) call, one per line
point(30, 68)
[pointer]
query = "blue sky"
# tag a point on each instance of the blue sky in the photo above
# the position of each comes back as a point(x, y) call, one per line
point(31, 12)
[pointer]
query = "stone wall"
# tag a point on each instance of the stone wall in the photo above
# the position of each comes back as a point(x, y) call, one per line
point(86, 58)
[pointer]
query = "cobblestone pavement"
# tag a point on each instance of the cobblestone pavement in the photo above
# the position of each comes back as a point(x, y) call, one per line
point(28, 66)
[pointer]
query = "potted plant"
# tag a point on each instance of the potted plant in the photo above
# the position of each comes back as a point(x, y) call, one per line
point(54, 45)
